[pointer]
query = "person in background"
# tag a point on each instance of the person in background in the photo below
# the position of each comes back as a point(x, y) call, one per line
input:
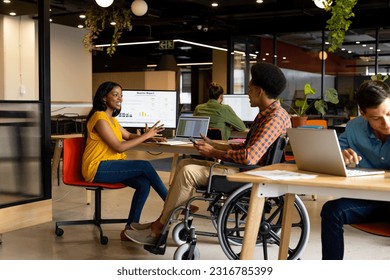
point(366, 142)
point(104, 156)
point(267, 83)
point(221, 115)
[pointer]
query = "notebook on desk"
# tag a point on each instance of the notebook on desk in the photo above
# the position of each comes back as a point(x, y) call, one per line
point(318, 150)
point(187, 127)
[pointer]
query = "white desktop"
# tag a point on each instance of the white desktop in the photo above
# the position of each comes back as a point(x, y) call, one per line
point(241, 106)
point(148, 106)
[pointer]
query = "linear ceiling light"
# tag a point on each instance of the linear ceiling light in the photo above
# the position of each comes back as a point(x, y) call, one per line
point(175, 41)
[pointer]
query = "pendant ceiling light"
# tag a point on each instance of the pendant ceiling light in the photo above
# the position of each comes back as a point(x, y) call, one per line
point(139, 7)
point(322, 3)
point(104, 3)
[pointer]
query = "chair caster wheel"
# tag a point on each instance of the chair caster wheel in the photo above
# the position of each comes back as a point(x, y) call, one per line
point(59, 231)
point(103, 240)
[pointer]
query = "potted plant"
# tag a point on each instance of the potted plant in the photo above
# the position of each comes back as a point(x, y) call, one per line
point(339, 22)
point(321, 105)
point(99, 19)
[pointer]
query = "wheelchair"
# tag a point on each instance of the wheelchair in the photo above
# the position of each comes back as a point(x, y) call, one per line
point(228, 204)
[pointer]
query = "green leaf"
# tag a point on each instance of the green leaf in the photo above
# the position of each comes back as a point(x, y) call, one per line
point(379, 77)
point(332, 96)
point(308, 90)
point(339, 22)
point(321, 106)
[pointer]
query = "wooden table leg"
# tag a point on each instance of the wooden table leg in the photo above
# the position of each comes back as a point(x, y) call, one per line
point(256, 207)
point(288, 209)
point(173, 167)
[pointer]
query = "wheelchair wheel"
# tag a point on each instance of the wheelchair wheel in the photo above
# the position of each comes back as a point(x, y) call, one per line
point(232, 219)
point(180, 234)
point(182, 253)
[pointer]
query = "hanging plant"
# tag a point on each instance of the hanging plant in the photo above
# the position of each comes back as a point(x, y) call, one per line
point(98, 19)
point(340, 21)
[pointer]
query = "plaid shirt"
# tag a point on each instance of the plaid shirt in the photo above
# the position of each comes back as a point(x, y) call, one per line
point(266, 128)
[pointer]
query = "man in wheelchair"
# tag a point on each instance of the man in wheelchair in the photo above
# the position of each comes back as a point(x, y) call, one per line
point(267, 83)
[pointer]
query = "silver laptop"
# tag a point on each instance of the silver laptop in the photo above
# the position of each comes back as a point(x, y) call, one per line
point(189, 127)
point(318, 150)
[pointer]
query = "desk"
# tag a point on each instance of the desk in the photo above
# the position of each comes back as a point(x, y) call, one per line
point(239, 134)
point(376, 187)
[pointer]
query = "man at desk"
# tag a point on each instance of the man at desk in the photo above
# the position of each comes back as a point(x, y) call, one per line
point(267, 83)
point(221, 115)
point(365, 142)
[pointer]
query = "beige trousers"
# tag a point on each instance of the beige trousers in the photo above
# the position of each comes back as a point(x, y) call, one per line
point(190, 173)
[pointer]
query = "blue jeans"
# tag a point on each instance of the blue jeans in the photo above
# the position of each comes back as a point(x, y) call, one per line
point(137, 174)
point(336, 213)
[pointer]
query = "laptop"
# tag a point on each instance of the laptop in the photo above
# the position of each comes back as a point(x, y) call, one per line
point(189, 127)
point(318, 150)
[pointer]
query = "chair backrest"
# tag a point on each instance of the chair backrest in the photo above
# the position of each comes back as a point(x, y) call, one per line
point(214, 133)
point(73, 154)
point(71, 171)
point(276, 151)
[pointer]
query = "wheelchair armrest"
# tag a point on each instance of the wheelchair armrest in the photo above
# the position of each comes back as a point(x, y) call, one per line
point(233, 164)
point(219, 183)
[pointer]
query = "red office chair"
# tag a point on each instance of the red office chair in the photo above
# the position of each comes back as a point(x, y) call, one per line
point(378, 228)
point(72, 156)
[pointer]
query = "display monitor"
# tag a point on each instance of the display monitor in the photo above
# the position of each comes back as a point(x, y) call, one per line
point(241, 106)
point(140, 107)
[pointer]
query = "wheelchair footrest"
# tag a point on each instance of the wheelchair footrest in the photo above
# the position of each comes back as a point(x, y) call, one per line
point(160, 247)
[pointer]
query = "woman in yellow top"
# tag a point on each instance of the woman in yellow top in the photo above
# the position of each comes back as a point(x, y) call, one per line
point(104, 157)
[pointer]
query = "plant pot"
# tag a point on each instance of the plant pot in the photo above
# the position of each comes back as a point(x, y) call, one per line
point(298, 121)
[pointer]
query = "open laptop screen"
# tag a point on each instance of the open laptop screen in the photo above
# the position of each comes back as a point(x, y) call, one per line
point(190, 126)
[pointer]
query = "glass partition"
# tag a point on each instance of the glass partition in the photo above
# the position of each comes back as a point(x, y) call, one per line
point(21, 115)
point(20, 153)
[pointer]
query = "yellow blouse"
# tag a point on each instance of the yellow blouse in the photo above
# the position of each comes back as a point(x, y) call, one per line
point(96, 149)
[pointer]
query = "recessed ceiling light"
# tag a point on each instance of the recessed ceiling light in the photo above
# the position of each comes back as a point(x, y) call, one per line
point(82, 16)
point(7, 1)
point(214, 4)
point(80, 26)
point(12, 14)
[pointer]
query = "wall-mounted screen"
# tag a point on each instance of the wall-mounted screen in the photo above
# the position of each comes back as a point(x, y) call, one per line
point(148, 106)
point(241, 106)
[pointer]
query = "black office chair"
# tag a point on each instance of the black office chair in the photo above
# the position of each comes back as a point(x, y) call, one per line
point(214, 134)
